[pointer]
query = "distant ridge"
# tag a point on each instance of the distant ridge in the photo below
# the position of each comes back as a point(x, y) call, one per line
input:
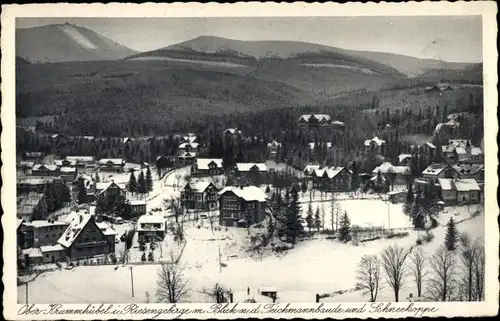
point(66, 42)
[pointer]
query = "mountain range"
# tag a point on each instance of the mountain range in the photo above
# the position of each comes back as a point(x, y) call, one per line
point(68, 42)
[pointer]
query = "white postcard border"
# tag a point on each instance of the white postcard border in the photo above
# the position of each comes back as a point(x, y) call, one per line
point(484, 8)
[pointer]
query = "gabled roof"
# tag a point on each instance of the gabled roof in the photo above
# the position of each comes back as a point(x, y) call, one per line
point(101, 187)
point(198, 186)
point(113, 161)
point(187, 155)
point(190, 138)
point(80, 158)
point(105, 228)
point(328, 145)
point(59, 162)
point(330, 172)
point(202, 163)
point(247, 167)
point(192, 145)
point(458, 142)
point(248, 193)
point(232, 131)
point(475, 151)
point(67, 170)
point(375, 140)
point(468, 169)
point(52, 168)
point(446, 184)
point(74, 229)
point(388, 168)
point(431, 145)
point(402, 157)
point(461, 151)
point(273, 143)
point(320, 117)
point(435, 169)
point(311, 168)
point(466, 184)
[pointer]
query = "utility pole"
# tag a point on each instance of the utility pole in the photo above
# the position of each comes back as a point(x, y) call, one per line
point(132, 280)
point(27, 292)
point(220, 262)
point(389, 213)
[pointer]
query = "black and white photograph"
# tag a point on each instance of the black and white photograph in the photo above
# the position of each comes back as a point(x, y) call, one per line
point(266, 159)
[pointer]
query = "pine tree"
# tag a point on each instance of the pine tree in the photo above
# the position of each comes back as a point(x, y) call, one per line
point(294, 217)
point(149, 180)
point(304, 186)
point(451, 237)
point(354, 175)
point(143, 257)
point(345, 228)
point(317, 219)
point(40, 212)
point(97, 178)
point(150, 257)
point(309, 217)
point(82, 192)
point(132, 183)
point(141, 184)
point(142, 243)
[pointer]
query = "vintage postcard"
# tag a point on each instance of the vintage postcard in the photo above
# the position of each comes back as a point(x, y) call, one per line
point(250, 160)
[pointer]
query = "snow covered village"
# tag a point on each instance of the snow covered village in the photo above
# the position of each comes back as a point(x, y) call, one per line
point(216, 170)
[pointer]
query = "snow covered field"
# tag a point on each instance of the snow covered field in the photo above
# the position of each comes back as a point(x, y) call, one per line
point(314, 266)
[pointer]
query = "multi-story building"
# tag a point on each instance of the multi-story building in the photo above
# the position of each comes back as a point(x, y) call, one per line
point(332, 179)
point(207, 167)
point(199, 195)
point(241, 206)
point(45, 170)
point(42, 232)
point(85, 238)
point(151, 227)
point(396, 175)
point(111, 164)
point(137, 207)
point(375, 145)
point(436, 171)
point(315, 120)
point(456, 191)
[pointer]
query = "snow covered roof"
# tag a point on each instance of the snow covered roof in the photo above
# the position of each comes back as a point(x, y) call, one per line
point(52, 248)
point(312, 145)
point(19, 222)
point(35, 181)
point(187, 155)
point(247, 167)
point(151, 219)
point(458, 142)
point(137, 202)
point(198, 186)
point(435, 169)
point(273, 143)
point(232, 131)
point(338, 123)
point(331, 172)
point(82, 159)
point(375, 140)
point(105, 228)
point(311, 168)
point(44, 223)
point(43, 166)
point(448, 148)
point(112, 161)
point(32, 252)
point(101, 187)
point(320, 117)
point(202, 163)
point(59, 162)
point(402, 157)
point(476, 151)
point(248, 193)
point(466, 184)
point(68, 169)
point(184, 145)
point(190, 138)
point(74, 229)
point(446, 184)
point(26, 164)
point(460, 150)
point(388, 168)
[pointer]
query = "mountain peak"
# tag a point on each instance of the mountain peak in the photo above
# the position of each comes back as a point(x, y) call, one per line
point(66, 42)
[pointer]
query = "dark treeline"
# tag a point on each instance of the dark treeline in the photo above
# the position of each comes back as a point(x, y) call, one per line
point(261, 127)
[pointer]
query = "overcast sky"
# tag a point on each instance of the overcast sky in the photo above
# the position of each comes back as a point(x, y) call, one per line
point(449, 38)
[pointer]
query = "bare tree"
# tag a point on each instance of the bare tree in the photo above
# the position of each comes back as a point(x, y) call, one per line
point(442, 283)
point(468, 256)
point(393, 262)
point(174, 205)
point(479, 271)
point(217, 293)
point(177, 179)
point(418, 268)
point(369, 276)
point(171, 284)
